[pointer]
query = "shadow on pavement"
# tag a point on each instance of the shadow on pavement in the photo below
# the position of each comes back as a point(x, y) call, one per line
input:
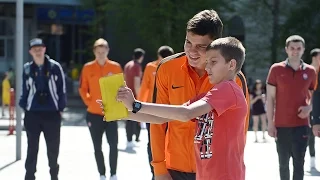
point(9, 164)
point(128, 150)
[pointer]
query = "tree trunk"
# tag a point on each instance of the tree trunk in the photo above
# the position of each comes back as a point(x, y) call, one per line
point(275, 31)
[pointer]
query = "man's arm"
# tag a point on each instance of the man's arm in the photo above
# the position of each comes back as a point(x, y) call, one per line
point(25, 90)
point(147, 118)
point(61, 88)
point(158, 131)
point(145, 86)
point(271, 96)
point(137, 79)
point(84, 87)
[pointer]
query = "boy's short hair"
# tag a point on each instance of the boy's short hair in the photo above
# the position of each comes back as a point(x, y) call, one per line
point(314, 52)
point(206, 22)
point(100, 43)
point(165, 51)
point(295, 38)
point(230, 48)
point(138, 53)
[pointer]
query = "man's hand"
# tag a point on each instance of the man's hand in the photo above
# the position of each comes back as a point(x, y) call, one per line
point(163, 177)
point(304, 111)
point(125, 95)
point(272, 130)
point(316, 130)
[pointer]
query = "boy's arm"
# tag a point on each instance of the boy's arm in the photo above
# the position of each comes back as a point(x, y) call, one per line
point(271, 100)
point(147, 118)
point(178, 112)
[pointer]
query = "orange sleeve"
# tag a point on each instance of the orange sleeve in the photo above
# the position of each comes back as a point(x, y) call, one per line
point(118, 69)
point(158, 131)
point(242, 82)
point(145, 85)
point(84, 86)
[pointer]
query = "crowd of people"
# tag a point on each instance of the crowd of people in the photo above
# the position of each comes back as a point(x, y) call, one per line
point(197, 105)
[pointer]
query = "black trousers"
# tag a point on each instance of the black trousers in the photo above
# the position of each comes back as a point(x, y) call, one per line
point(132, 128)
point(49, 123)
point(149, 150)
point(177, 175)
point(292, 142)
point(97, 127)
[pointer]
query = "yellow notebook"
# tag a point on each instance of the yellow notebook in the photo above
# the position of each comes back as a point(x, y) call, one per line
point(109, 86)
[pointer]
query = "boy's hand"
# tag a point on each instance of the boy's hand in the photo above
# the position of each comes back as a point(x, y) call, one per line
point(316, 130)
point(99, 101)
point(125, 95)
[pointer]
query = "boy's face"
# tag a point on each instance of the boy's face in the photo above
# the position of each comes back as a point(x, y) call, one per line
point(195, 49)
point(217, 67)
point(101, 52)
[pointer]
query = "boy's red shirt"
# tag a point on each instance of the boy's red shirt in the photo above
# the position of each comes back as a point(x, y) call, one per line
point(220, 137)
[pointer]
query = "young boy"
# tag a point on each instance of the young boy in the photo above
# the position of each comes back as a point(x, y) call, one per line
point(220, 114)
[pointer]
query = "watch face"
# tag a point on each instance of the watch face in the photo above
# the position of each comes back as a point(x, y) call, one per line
point(137, 105)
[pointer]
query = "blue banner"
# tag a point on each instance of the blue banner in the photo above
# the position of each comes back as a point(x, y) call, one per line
point(65, 15)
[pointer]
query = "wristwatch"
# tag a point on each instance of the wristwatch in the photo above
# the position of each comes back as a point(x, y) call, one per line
point(136, 106)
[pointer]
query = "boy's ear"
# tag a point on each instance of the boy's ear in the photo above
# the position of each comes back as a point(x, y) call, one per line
point(233, 64)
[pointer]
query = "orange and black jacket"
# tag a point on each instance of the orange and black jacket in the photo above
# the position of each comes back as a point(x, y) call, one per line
point(172, 143)
point(89, 82)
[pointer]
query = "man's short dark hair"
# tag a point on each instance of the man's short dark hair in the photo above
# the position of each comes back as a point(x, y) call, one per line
point(165, 51)
point(230, 48)
point(206, 22)
point(138, 53)
point(295, 38)
point(314, 52)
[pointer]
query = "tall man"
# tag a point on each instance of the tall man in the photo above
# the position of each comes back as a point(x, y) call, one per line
point(43, 99)
point(290, 84)
point(90, 91)
point(147, 86)
point(133, 75)
point(181, 77)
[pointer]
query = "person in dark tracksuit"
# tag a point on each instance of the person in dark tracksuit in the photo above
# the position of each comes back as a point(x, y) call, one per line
point(315, 55)
point(291, 81)
point(43, 99)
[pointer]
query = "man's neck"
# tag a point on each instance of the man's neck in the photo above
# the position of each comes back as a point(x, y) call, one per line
point(294, 63)
point(316, 65)
point(200, 72)
point(39, 62)
point(101, 62)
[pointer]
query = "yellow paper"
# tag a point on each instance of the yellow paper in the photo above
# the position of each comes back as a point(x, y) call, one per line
point(109, 87)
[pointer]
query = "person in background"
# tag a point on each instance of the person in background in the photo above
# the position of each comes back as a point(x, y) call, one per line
point(290, 85)
point(147, 85)
point(133, 75)
point(315, 55)
point(5, 92)
point(43, 99)
point(89, 91)
point(257, 101)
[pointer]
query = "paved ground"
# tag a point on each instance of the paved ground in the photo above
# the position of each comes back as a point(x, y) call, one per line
point(77, 158)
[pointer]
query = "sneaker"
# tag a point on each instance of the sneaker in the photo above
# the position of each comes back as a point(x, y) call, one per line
point(113, 177)
point(102, 177)
point(130, 144)
point(312, 162)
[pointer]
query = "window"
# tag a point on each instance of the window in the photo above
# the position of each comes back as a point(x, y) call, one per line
point(2, 48)
point(10, 48)
point(3, 27)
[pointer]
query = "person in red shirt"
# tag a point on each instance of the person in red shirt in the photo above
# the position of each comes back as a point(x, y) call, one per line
point(220, 114)
point(133, 75)
point(290, 84)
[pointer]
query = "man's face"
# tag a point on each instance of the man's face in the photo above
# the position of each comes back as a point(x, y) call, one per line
point(101, 52)
point(37, 52)
point(295, 50)
point(317, 58)
point(217, 67)
point(195, 49)
point(140, 60)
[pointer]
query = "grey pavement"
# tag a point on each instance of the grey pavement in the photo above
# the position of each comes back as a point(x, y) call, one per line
point(77, 158)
